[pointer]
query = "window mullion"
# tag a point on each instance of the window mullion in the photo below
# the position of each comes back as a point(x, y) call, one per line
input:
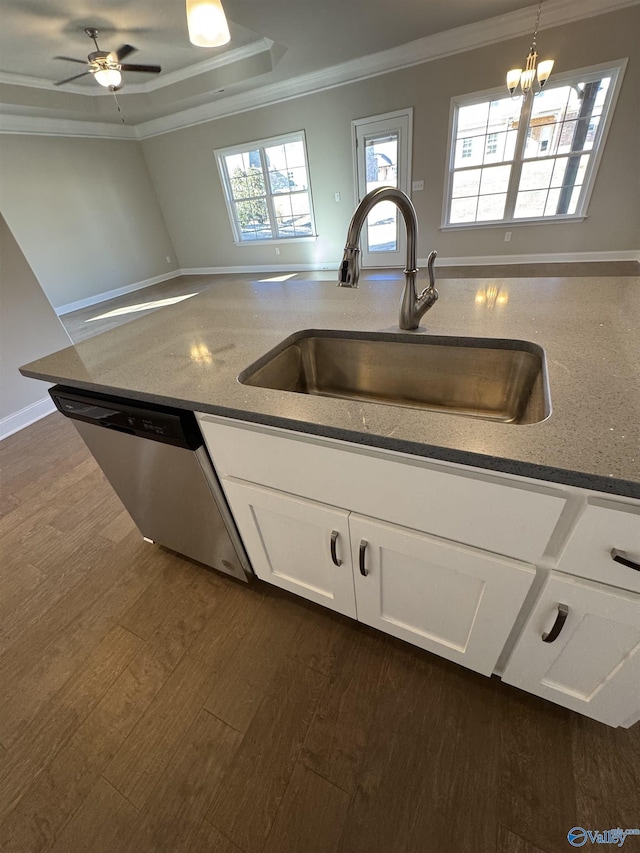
point(518, 157)
point(232, 202)
point(268, 197)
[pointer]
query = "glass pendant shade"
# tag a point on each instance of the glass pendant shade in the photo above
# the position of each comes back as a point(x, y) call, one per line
point(528, 76)
point(544, 70)
point(513, 78)
point(207, 23)
point(108, 77)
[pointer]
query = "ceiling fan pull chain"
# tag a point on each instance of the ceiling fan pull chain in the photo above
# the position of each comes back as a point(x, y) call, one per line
point(115, 98)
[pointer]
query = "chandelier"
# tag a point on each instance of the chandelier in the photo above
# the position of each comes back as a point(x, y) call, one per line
point(533, 71)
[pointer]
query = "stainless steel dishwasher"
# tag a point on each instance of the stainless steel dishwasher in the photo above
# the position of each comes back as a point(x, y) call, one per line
point(155, 459)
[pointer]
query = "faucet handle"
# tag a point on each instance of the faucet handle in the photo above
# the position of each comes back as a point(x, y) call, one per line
point(430, 262)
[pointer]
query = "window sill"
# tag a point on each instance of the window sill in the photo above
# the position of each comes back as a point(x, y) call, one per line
point(278, 241)
point(513, 223)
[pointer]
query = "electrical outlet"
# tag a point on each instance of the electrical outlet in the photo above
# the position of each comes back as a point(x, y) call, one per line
point(507, 236)
point(277, 250)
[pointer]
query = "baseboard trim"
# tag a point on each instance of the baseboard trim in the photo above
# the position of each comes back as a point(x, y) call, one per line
point(112, 294)
point(260, 268)
point(473, 260)
point(555, 258)
point(24, 417)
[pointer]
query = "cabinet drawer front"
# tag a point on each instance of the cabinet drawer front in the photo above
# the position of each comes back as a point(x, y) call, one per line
point(593, 664)
point(600, 529)
point(448, 599)
point(289, 543)
point(481, 510)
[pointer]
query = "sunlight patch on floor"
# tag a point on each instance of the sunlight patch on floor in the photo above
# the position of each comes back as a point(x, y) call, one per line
point(141, 306)
point(280, 277)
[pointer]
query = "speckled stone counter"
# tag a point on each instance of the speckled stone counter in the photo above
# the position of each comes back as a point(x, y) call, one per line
point(190, 354)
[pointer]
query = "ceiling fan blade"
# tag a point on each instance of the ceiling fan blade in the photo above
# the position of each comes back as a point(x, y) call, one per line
point(150, 69)
point(69, 79)
point(71, 59)
point(124, 50)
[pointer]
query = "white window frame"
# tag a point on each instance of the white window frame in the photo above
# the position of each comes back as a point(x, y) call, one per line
point(260, 145)
point(616, 69)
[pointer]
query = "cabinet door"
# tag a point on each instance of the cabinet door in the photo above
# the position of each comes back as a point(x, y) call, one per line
point(593, 664)
point(458, 602)
point(289, 542)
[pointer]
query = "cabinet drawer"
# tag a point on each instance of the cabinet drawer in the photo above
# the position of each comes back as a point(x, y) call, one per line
point(600, 529)
point(469, 507)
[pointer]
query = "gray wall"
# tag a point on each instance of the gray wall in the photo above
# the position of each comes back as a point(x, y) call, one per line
point(84, 212)
point(29, 328)
point(185, 176)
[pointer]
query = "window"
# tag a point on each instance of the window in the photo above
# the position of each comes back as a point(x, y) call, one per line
point(266, 185)
point(535, 158)
point(492, 144)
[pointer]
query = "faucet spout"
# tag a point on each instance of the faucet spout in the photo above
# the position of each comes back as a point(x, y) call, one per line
point(412, 306)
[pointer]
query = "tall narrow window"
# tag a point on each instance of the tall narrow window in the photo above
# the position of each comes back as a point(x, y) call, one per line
point(267, 190)
point(512, 160)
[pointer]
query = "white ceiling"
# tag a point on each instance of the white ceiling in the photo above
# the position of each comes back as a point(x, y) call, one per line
point(271, 41)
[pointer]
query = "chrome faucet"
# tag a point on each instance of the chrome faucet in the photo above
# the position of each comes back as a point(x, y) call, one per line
point(412, 306)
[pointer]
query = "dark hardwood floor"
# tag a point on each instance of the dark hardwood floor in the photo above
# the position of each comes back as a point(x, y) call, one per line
point(148, 704)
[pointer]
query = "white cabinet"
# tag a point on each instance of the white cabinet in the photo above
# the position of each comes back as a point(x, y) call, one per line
point(289, 542)
point(593, 664)
point(448, 563)
point(457, 602)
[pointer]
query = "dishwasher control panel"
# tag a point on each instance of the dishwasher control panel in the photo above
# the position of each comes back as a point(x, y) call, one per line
point(170, 426)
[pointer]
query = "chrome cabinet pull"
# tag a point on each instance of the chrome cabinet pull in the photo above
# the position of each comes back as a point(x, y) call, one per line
point(622, 557)
point(363, 548)
point(558, 625)
point(334, 556)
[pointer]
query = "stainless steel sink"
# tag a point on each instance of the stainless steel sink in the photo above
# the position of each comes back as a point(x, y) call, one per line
point(490, 378)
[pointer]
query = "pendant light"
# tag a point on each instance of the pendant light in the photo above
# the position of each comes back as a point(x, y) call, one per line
point(533, 69)
point(207, 23)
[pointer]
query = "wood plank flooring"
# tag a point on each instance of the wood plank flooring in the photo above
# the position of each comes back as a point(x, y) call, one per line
point(148, 704)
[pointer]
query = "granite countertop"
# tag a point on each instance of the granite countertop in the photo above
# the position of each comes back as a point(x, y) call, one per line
point(190, 354)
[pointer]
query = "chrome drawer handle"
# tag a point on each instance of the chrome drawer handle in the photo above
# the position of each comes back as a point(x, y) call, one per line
point(622, 557)
point(334, 556)
point(558, 625)
point(363, 548)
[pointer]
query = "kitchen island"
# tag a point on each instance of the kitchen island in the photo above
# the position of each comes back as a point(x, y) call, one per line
point(473, 539)
point(190, 354)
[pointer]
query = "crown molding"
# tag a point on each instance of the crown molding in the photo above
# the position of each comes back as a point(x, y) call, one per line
point(36, 126)
point(427, 49)
point(229, 57)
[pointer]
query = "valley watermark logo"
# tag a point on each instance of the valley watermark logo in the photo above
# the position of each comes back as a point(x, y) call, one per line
point(578, 836)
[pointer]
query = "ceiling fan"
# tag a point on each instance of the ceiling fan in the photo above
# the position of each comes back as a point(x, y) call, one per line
point(106, 67)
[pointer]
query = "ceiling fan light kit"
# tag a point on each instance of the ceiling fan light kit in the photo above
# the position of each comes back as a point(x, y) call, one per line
point(207, 23)
point(108, 76)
